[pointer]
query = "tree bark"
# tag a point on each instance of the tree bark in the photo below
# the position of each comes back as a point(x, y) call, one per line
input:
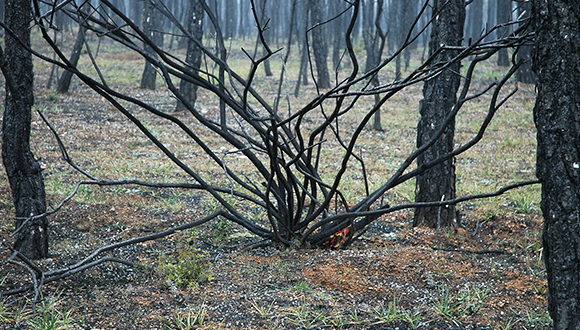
point(66, 77)
point(151, 27)
point(23, 170)
point(525, 73)
point(557, 117)
point(319, 45)
point(194, 52)
point(504, 10)
point(267, 36)
point(301, 24)
point(230, 18)
point(438, 183)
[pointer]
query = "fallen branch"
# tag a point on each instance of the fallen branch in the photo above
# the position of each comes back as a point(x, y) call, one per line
point(486, 251)
point(91, 260)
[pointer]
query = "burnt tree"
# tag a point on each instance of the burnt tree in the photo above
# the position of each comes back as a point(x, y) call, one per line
point(66, 77)
point(524, 52)
point(23, 170)
point(557, 118)
point(194, 52)
point(374, 39)
point(319, 45)
point(438, 183)
point(151, 26)
point(504, 11)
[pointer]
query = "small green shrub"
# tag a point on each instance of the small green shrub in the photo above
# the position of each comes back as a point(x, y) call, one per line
point(189, 268)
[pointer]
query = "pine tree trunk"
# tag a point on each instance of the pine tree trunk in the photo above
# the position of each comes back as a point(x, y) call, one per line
point(504, 10)
point(66, 77)
point(557, 118)
point(194, 52)
point(438, 183)
point(151, 27)
point(319, 45)
point(525, 73)
point(23, 170)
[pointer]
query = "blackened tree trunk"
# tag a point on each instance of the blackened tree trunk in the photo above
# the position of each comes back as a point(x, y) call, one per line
point(338, 41)
point(438, 183)
point(557, 118)
point(301, 24)
point(194, 52)
point(374, 38)
point(230, 18)
point(394, 25)
point(409, 14)
point(525, 73)
point(504, 10)
point(66, 77)
point(152, 28)
point(319, 44)
point(267, 36)
point(23, 170)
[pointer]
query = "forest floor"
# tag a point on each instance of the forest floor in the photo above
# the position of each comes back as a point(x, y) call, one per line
point(487, 275)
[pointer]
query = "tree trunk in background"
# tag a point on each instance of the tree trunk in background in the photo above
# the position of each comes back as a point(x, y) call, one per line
point(301, 24)
point(475, 20)
point(194, 53)
point(393, 25)
point(408, 15)
point(151, 27)
point(374, 40)
point(525, 73)
point(338, 41)
point(66, 77)
point(557, 118)
point(319, 45)
point(438, 183)
point(491, 17)
point(230, 18)
point(504, 10)
point(23, 170)
point(267, 35)
point(136, 11)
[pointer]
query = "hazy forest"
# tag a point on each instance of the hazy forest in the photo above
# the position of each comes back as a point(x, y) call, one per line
point(274, 164)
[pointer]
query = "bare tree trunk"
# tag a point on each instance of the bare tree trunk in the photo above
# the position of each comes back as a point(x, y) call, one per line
point(23, 170)
point(374, 40)
point(194, 52)
point(302, 43)
point(438, 183)
point(338, 42)
point(504, 11)
point(267, 36)
point(319, 45)
point(66, 77)
point(491, 17)
point(230, 18)
point(151, 27)
point(557, 118)
point(475, 20)
point(525, 73)
point(409, 13)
